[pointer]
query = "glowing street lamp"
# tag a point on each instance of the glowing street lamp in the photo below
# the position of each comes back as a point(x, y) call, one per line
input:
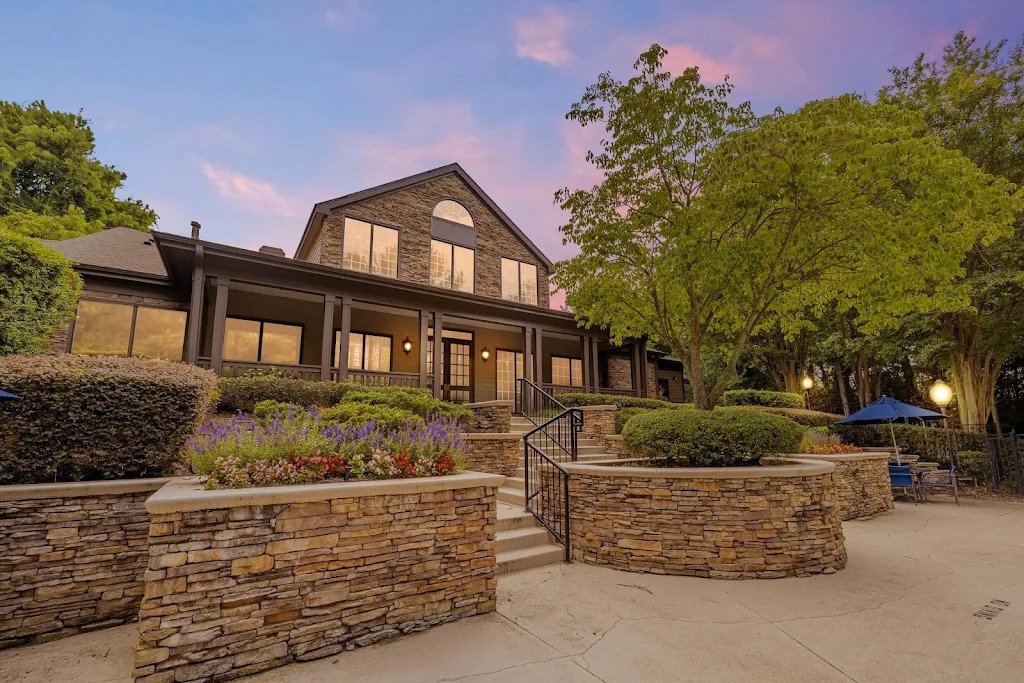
point(941, 394)
point(807, 383)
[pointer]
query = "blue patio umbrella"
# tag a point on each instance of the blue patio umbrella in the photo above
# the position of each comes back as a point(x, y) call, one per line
point(889, 410)
point(7, 396)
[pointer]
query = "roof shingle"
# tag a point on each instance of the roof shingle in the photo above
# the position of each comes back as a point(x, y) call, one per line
point(122, 249)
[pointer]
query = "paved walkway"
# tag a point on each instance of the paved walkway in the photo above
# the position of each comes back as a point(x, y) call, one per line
point(903, 610)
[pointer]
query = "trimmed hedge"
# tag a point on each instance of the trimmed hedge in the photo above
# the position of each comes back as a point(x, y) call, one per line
point(243, 393)
point(756, 397)
point(808, 418)
point(973, 464)
point(623, 415)
point(418, 401)
point(578, 400)
point(85, 418)
point(711, 438)
point(927, 442)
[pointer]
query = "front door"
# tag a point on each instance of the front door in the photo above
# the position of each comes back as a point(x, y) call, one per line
point(456, 381)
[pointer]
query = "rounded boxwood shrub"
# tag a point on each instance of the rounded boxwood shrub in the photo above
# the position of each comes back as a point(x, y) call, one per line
point(757, 397)
point(808, 418)
point(243, 393)
point(624, 415)
point(96, 417)
point(711, 438)
point(418, 401)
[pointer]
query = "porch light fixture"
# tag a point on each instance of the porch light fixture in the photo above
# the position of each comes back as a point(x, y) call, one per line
point(485, 354)
point(941, 394)
point(407, 345)
point(807, 382)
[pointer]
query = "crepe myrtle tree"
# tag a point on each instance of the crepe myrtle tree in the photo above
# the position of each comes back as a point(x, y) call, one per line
point(712, 224)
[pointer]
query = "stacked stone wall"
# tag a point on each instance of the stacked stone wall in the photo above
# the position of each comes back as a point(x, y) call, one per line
point(862, 483)
point(493, 453)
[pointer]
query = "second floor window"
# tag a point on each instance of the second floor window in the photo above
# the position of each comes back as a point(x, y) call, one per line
point(518, 281)
point(370, 248)
point(452, 266)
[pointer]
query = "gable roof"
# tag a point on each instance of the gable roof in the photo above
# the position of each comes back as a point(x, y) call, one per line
point(324, 208)
point(120, 249)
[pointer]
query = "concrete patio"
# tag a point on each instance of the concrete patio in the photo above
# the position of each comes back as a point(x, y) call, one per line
point(903, 610)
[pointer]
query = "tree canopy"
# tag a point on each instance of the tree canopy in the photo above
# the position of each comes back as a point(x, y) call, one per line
point(712, 224)
point(51, 184)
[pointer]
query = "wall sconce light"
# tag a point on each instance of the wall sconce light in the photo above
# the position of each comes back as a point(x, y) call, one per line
point(485, 354)
point(407, 345)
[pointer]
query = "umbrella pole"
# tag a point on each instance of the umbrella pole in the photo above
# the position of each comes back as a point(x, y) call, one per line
point(895, 447)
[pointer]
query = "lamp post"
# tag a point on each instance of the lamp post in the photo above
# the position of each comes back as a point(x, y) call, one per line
point(807, 383)
point(942, 395)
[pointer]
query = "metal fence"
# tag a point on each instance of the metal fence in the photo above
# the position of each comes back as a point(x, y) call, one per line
point(1006, 463)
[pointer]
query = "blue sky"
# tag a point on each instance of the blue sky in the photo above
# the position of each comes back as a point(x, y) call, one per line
point(242, 114)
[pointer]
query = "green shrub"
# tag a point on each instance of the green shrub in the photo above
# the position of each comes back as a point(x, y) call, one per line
point(757, 397)
point(386, 418)
point(623, 415)
point(579, 400)
point(705, 438)
point(418, 401)
point(927, 442)
point(93, 417)
point(38, 293)
point(973, 464)
point(808, 418)
point(243, 393)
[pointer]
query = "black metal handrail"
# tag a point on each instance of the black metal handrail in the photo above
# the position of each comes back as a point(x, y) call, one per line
point(535, 404)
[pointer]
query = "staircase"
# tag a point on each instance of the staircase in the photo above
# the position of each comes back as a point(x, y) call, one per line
point(522, 541)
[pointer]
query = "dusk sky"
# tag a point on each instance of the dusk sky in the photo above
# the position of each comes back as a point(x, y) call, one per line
point(242, 115)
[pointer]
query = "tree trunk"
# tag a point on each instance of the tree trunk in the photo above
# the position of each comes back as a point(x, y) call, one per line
point(841, 383)
point(974, 380)
point(910, 380)
point(862, 375)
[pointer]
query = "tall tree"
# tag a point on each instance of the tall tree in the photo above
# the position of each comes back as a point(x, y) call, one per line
point(972, 99)
point(711, 224)
point(51, 184)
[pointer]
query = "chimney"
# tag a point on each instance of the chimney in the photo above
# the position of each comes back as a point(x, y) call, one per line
point(195, 230)
point(273, 251)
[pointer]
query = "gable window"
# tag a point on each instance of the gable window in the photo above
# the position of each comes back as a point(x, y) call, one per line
point(567, 371)
point(447, 210)
point(370, 352)
point(257, 341)
point(452, 266)
point(109, 329)
point(369, 248)
point(518, 281)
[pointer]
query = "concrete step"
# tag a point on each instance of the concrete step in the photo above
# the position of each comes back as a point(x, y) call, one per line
point(527, 558)
point(511, 495)
point(521, 539)
point(512, 517)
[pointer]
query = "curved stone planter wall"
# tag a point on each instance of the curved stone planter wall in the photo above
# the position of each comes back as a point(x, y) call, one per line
point(862, 482)
point(72, 557)
point(729, 523)
point(493, 453)
point(244, 580)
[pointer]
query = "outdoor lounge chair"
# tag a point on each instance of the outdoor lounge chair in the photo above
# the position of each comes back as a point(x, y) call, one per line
point(942, 479)
point(900, 477)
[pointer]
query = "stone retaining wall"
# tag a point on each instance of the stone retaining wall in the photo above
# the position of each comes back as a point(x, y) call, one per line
point(598, 422)
point(728, 523)
point(862, 482)
point(615, 445)
point(72, 557)
point(245, 580)
point(491, 416)
point(493, 453)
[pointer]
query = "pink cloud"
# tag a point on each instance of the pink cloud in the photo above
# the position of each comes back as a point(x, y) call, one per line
point(682, 57)
point(254, 195)
point(542, 37)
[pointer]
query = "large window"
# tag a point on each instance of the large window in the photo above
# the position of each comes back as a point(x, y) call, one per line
point(510, 369)
point(369, 352)
point(567, 371)
point(109, 329)
point(518, 281)
point(370, 248)
point(256, 341)
point(452, 266)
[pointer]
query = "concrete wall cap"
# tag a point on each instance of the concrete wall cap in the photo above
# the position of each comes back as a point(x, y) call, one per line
point(484, 436)
point(187, 494)
point(487, 404)
point(80, 489)
point(604, 468)
point(846, 457)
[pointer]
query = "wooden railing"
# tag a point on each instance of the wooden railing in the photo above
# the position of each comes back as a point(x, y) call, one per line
point(238, 368)
point(380, 379)
point(618, 392)
point(556, 389)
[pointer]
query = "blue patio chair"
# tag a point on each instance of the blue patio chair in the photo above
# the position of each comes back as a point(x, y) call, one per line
point(900, 477)
point(940, 479)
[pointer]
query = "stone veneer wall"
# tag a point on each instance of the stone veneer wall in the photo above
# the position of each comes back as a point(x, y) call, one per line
point(493, 453)
point(491, 416)
point(728, 523)
point(243, 581)
point(620, 372)
point(862, 483)
point(616, 446)
point(72, 557)
point(598, 423)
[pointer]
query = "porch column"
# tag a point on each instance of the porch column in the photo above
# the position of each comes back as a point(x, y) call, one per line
point(527, 353)
point(585, 342)
point(346, 328)
point(636, 368)
point(438, 353)
point(220, 314)
point(644, 389)
point(539, 356)
point(195, 309)
point(424, 324)
point(328, 338)
point(596, 365)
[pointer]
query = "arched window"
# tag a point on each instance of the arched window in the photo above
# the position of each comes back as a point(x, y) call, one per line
point(453, 212)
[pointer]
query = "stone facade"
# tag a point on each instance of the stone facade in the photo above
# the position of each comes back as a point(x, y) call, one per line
point(491, 416)
point(72, 557)
point(862, 482)
point(652, 379)
point(616, 446)
point(243, 581)
point(598, 423)
point(409, 211)
point(493, 453)
point(727, 523)
point(61, 341)
point(620, 372)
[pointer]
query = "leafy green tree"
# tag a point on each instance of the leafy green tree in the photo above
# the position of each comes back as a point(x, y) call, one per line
point(711, 224)
point(38, 293)
point(972, 99)
point(47, 169)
